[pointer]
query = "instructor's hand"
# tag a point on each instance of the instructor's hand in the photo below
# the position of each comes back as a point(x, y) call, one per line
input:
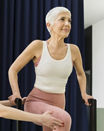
point(50, 121)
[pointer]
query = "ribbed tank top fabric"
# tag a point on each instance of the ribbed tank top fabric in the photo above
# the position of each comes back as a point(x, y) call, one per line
point(52, 74)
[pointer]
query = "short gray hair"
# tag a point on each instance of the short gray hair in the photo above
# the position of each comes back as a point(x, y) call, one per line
point(53, 13)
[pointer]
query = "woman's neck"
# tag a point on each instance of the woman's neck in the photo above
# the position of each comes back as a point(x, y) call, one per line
point(56, 41)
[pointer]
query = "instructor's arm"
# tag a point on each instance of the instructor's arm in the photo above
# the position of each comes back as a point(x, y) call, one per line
point(45, 119)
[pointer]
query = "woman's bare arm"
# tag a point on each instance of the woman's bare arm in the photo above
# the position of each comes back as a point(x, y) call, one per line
point(28, 54)
point(77, 61)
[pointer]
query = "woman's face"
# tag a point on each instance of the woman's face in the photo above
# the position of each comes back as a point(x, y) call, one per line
point(62, 25)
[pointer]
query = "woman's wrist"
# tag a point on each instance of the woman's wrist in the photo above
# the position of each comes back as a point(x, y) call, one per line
point(16, 94)
point(83, 93)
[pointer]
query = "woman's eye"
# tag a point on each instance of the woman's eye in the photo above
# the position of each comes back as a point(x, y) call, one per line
point(69, 21)
point(62, 19)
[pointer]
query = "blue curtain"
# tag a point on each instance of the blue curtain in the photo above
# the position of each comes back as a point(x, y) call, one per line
point(22, 21)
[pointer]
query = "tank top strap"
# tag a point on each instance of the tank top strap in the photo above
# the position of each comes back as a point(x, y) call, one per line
point(44, 51)
point(69, 50)
point(44, 46)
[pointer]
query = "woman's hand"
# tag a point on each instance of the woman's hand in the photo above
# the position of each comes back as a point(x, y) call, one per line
point(50, 121)
point(23, 100)
point(86, 97)
point(12, 99)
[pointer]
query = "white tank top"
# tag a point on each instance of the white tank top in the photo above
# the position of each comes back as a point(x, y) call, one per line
point(52, 74)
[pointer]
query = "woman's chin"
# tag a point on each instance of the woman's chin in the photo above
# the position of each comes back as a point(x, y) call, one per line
point(65, 35)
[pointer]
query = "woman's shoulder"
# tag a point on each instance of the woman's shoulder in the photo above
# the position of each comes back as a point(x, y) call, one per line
point(74, 51)
point(36, 43)
point(74, 48)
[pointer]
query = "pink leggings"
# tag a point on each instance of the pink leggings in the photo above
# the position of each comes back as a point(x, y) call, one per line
point(39, 107)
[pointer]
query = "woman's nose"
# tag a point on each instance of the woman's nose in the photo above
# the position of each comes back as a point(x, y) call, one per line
point(66, 22)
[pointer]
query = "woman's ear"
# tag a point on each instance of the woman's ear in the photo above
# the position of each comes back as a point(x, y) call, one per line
point(48, 25)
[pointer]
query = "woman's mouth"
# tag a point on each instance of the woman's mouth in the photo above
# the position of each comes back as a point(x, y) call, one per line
point(66, 30)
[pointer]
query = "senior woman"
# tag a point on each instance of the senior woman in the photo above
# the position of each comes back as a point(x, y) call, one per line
point(53, 60)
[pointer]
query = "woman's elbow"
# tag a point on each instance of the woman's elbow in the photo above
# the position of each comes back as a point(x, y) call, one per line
point(81, 75)
point(11, 71)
